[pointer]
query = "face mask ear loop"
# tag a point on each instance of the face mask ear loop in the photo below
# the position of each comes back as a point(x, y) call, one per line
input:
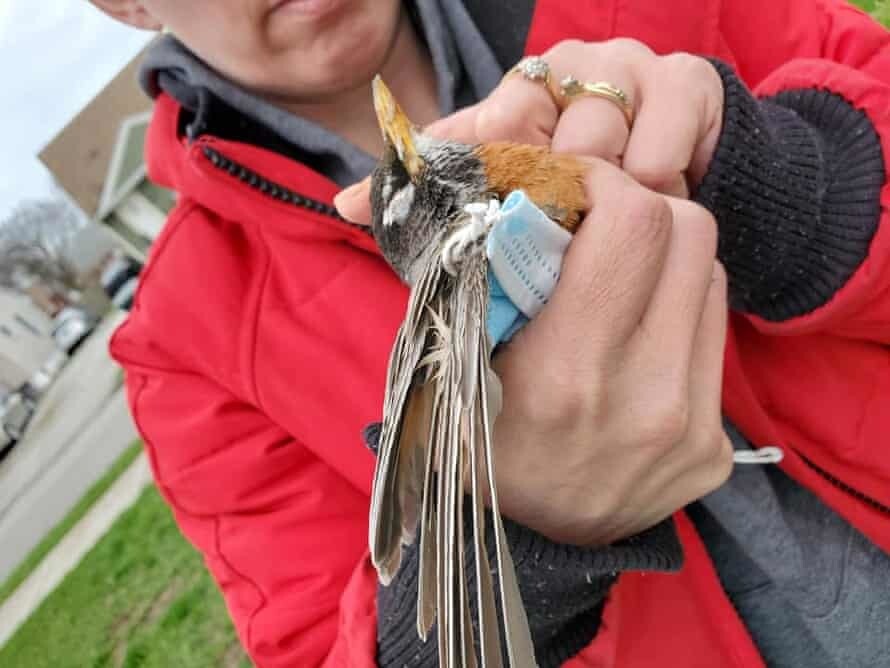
point(767, 455)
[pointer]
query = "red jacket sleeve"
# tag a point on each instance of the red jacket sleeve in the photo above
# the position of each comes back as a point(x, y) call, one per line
point(832, 46)
point(282, 534)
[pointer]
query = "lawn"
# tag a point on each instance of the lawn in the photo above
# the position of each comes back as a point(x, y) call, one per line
point(140, 599)
point(73, 517)
point(879, 8)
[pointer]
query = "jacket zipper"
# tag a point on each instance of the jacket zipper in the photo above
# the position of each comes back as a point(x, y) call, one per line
point(844, 487)
point(275, 190)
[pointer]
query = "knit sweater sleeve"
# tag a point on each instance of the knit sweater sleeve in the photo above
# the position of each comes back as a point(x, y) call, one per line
point(563, 589)
point(795, 185)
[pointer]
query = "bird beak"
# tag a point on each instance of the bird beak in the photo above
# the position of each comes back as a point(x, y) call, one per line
point(397, 129)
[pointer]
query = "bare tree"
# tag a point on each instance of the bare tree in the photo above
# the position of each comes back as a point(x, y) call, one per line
point(36, 243)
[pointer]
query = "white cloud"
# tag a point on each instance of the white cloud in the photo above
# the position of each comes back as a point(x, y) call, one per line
point(55, 56)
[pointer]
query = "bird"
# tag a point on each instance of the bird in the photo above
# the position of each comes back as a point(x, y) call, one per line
point(432, 201)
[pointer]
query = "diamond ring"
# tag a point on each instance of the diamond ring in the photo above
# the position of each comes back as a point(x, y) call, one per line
point(536, 70)
point(572, 89)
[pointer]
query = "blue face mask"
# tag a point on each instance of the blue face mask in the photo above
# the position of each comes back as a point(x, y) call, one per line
point(525, 250)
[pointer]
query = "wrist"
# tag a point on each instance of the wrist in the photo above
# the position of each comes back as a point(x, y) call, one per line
point(779, 184)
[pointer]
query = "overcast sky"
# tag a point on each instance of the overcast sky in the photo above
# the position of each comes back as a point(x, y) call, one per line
point(55, 55)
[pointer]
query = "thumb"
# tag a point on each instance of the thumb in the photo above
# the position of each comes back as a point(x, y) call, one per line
point(354, 202)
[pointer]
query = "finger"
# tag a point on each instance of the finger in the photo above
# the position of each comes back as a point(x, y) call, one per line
point(459, 126)
point(706, 368)
point(701, 459)
point(667, 330)
point(354, 202)
point(613, 264)
point(683, 95)
point(592, 125)
point(709, 463)
point(518, 110)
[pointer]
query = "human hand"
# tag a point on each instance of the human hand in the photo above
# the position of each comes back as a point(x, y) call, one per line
point(611, 416)
point(678, 111)
point(677, 103)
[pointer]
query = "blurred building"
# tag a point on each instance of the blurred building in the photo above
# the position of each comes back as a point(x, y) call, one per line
point(98, 159)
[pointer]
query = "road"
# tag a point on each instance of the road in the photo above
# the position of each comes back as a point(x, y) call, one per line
point(80, 427)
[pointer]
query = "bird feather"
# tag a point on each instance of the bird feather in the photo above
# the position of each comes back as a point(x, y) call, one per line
point(442, 399)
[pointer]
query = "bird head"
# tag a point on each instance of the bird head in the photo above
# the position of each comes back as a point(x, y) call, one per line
point(419, 187)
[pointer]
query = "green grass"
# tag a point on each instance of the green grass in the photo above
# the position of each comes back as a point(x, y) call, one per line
point(73, 517)
point(141, 598)
point(880, 9)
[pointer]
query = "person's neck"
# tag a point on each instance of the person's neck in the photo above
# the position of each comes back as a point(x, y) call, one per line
point(409, 74)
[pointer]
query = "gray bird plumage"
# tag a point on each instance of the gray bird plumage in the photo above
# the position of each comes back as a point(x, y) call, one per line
point(409, 214)
point(442, 398)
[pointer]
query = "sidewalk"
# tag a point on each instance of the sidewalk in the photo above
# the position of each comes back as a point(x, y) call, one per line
point(81, 427)
point(72, 548)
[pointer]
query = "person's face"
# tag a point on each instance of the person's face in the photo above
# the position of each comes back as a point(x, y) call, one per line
point(298, 50)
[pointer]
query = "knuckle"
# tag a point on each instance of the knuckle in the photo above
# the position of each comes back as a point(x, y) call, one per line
point(710, 473)
point(627, 46)
point(665, 425)
point(566, 47)
point(656, 171)
point(705, 443)
point(649, 214)
point(674, 419)
point(699, 223)
point(711, 452)
point(695, 75)
point(721, 463)
point(587, 403)
point(684, 64)
point(573, 399)
point(496, 121)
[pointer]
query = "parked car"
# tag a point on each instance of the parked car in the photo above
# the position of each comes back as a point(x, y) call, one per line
point(71, 326)
point(123, 298)
point(119, 279)
point(17, 411)
point(38, 384)
point(6, 444)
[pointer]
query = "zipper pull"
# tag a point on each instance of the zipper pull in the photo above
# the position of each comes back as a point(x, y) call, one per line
point(767, 455)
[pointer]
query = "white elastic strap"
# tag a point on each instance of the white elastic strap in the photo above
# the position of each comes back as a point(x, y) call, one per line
point(482, 218)
point(767, 455)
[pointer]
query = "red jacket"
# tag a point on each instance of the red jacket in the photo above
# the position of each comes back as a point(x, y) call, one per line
point(257, 347)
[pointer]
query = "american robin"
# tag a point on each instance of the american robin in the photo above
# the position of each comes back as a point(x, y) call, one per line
point(430, 199)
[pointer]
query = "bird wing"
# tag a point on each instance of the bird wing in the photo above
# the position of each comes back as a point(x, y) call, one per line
point(404, 437)
point(436, 444)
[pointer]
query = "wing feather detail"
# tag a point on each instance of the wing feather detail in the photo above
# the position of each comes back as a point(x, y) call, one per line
point(436, 447)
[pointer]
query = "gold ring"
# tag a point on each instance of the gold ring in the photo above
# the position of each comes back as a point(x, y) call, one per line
point(536, 70)
point(572, 89)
